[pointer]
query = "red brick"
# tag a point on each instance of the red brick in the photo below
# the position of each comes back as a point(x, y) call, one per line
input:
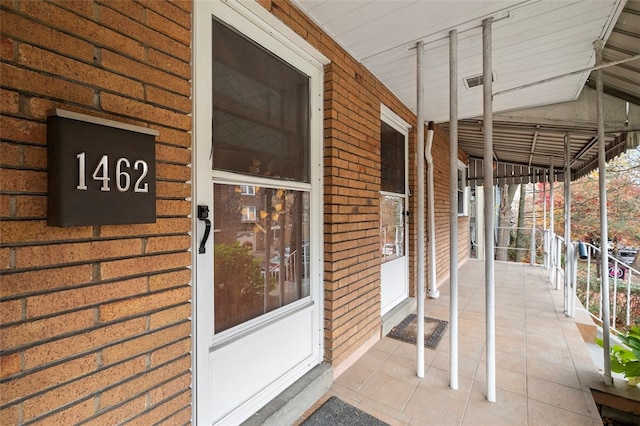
point(170, 352)
point(9, 102)
point(149, 113)
point(33, 231)
point(10, 155)
point(40, 109)
point(143, 304)
point(5, 255)
point(10, 415)
point(173, 136)
point(26, 30)
point(31, 206)
point(35, 157)
point(173, 172)
point(170, 389)
point(147, 36)
point(83, 28)
point(7, 48)
point(173, 189)
point(68, 393)
point(162, 226)
point(173, 243)
point(145, 343)
point(181, 417)
point(168, 99)
point(146, 264)
point(120, 414)
point(47, 279)
point(171, 11)
point(9, 365)
point(72, 415)
point(84, 296)
point(173, 315)
point(34, 331)
point(172, 154)
point(144, 73)
point(159, 412)
point(131, 9)
point(144, 382)
point(171, 279)
point(31, 81)
point(172, 208)
point(80, 72)
point(63, 348)
point(170, 64)
point(169, 28)
point(29, 384)
point(34, 256)
point(19, 130)
point(82, 7)
point(10, 311)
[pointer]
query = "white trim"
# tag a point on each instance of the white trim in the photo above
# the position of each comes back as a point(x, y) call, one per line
point(466, 194)
point(394, 120)
point(105, 122)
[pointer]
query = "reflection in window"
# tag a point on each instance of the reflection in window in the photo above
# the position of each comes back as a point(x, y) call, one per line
point(262, 265)
point(260, 110)
point(391, 227)
point(392, 159)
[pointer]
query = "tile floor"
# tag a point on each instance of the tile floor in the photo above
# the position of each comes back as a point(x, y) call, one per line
point(543, 367)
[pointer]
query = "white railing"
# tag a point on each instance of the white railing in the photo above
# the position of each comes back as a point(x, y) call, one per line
point(624, 288)
point(534, 250)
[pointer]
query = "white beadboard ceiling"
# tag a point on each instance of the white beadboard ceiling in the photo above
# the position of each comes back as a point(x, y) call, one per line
point(532, 41)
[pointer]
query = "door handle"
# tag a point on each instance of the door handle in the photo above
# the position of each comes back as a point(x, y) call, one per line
point(203, 215)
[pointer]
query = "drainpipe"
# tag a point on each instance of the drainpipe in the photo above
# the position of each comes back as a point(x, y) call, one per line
point(433, 292)
point(453, 208)
point(489, 222)
point(533, 220)
point(568, 261)
point(552, 235)
point(604, 233)
point(544, 218)
point(420, 225)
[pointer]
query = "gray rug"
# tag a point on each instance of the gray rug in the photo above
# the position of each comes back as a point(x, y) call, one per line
point(407, 331)
point(335, 412)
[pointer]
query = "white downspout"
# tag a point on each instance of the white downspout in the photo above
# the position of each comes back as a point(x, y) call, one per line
point(420, 213)
point(433, 292)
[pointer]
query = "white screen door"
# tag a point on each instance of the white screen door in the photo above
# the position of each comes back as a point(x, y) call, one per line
point(393, 208)
point(257, 160)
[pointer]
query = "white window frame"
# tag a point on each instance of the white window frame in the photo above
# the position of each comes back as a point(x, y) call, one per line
point(247, 190)
point(464, 191)
point(249, 214)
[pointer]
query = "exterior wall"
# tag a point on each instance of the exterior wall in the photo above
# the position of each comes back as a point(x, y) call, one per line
point(352, 184)
point(94, 320)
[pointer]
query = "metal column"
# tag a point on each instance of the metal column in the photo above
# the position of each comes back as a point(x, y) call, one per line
point(552, 234)
point(453, 208)
point(568, 253)
point(489, 262)
point(533, 221)
point(604, 233)
point(420, 225)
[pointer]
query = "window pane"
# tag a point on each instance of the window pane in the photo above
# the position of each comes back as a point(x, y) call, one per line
point(260, 110)
point(392, 159)
point(392, 227)
point(270, 252)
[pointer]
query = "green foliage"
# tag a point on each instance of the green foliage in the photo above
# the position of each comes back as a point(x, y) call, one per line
point(626, 360)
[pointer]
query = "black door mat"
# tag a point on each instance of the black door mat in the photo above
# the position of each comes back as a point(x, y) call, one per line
point(407, 331)
point(335, 412)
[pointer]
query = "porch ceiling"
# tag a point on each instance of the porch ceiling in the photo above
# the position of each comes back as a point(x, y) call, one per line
point(532, 41)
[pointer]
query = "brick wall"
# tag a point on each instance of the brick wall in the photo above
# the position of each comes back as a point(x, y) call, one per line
point(94, 320)
point(352, 184)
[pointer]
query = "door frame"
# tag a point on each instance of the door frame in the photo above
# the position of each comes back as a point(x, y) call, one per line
point(262, 27)
point(392, 119)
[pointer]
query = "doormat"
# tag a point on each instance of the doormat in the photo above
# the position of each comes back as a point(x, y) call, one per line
point(407, 331)
point(336, 412)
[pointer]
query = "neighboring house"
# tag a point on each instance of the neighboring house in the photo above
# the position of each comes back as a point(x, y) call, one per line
point(309, 183)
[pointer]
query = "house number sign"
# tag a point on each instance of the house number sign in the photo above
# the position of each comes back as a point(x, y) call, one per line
point(100, 172)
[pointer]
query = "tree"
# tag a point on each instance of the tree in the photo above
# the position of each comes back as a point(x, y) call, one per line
point(505, 216)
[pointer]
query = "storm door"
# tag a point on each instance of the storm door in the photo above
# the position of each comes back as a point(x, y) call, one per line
point(393, 208)
point(258, 191)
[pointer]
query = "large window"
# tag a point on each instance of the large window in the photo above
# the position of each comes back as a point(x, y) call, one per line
point(261, 148)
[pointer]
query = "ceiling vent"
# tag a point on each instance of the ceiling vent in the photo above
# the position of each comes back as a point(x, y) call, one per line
point(476, 80)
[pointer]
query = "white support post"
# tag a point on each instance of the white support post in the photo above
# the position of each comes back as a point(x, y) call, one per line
point(568, 261)
point(544, 220)
point(420, 205)
point(552, 235)
point(533, 223)
point(604, 233)
point(453, 208)
point(489, 220)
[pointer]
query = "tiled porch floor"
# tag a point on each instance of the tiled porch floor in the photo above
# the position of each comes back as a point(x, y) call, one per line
point(543, 367)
